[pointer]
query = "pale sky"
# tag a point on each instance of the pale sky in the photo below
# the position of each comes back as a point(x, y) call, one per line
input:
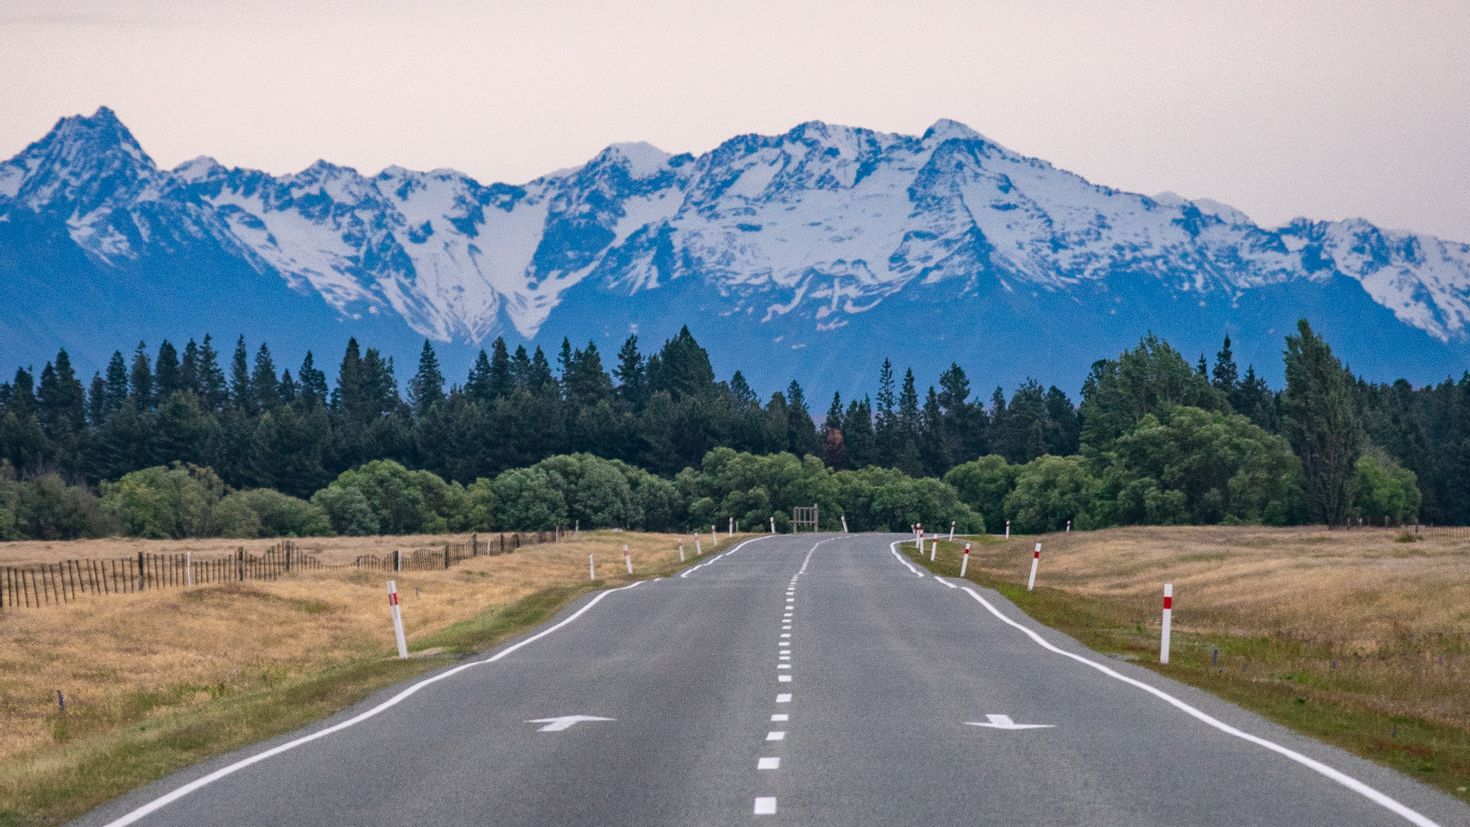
point(1327, 110)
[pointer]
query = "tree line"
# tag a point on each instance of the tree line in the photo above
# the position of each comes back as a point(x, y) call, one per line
point(1153, 439)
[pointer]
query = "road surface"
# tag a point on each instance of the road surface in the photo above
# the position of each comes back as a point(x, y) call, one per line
point(807, 679)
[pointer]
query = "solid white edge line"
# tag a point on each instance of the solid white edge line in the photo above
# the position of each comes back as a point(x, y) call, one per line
point(893, 547)
point(690, 571)
point(1342, 778)
point(162, 801)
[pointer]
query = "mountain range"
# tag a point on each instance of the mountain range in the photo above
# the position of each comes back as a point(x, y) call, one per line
point(812, 254)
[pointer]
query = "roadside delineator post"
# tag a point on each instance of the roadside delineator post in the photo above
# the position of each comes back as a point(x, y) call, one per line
point(591, 568)
point(773, 524)
point(713, 537)
point(933, 549)
point(965, 561)
point(681, 552)
point(844, 523)
point(1168, 621)
point(1069, 525)
point(397, 620)
point(698, 550)
point(1008, 529)
point(627, 558)
point(951, 531)
point(919, 538)
point(1035, 561)
point(730, 532)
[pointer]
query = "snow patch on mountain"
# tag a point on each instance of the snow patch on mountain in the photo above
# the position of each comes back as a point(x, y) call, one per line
point(820, 224)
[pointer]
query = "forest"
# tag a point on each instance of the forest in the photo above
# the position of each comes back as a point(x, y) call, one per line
point(189, 442)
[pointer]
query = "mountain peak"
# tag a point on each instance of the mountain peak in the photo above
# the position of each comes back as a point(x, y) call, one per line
point(98, 132)
point(945, 129)
point(642, 158)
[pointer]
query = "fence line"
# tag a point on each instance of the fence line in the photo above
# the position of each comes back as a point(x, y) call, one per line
point(37, 585)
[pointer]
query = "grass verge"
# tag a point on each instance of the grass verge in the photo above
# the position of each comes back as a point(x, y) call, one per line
point(119, 738)
point(1392, 701)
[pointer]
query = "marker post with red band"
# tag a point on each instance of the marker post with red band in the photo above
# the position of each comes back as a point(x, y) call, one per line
point(1168, 619)
point(397, 620)
point(951, 531)
point(1035, 561)
point(1008, 529)
point(919, 538)
point(965, 561)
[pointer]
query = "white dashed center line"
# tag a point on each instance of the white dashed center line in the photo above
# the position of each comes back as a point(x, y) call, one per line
point(780, 717)
point(783, 678)
point(777, 735)
point(765, 806)
point(783, 698)
point(768, 764)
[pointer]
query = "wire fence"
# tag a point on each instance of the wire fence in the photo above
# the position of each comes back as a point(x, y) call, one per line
point(36, 585)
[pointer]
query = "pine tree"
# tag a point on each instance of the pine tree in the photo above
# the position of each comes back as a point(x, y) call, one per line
point(503, 377)
point(347, 397)
point(426, 388)
point(801, 432)
point(96, 401)
point(477, 385)
point(240, 394)
point(1225, 377)
point(61, 404)
point(631, 375)
point(212, 388)
point(265, 393)
point(742, 393)
point(117, 384)
point(168, 376)
point(140, 380)
point(833, 451)
point(857, 435)
point(189, 369)
point(1320, 424)
point(312, 382)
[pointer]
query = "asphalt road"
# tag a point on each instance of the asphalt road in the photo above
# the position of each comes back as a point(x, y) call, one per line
point(809, 679)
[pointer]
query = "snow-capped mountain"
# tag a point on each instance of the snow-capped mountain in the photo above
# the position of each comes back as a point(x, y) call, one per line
point(785, 239)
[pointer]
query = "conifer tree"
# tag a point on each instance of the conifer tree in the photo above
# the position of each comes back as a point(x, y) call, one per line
point(212, 388)
point(630, 372)
point(265, 392)
point(426, 388)
point(117, 384)
point(1320, 424)
point(167, 371)
point(240, 394)
point(140, 380)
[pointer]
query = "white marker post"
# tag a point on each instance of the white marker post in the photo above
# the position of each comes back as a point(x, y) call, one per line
point(919, 538)
point(591, 568)
point(681, 552)
point(951, 531)
point(844, 523)
point(698, 549)
point(731, 531)
point(773, 524)
point(965, 561)
point(1035, 561)
point(1008, 529)
point(397, 620)
point(713, 537)
point(627, 558)
point(1069, 526)
point(1168, 621)
point(933, 549)
point(188, 568)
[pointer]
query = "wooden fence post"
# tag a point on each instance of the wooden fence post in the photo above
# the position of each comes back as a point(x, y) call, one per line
point(240, 562)
point(446, 556)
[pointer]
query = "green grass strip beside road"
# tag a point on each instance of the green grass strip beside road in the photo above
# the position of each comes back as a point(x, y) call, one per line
point(111, 764)
point(1285, 681)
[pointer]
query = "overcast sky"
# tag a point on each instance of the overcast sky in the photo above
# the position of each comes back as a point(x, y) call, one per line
point(1281, 109)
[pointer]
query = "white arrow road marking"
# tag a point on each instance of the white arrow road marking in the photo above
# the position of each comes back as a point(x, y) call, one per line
point(565, 722)
point(1005, 722)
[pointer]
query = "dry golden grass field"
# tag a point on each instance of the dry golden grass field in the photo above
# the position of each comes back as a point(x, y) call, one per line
point(158, 679)
point(1361, 638)
point(330, 550)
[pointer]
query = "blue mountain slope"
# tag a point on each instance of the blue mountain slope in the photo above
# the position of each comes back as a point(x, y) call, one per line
point(811, 254)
